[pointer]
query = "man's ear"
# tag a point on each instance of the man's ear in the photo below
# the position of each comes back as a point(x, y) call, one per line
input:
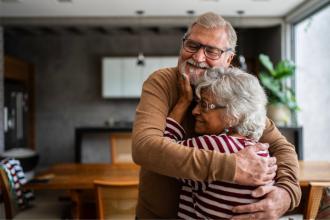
point(230, 58)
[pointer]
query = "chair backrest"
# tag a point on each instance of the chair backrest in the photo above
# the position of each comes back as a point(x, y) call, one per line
point(314, 199)
point(116, 199)
point(8, 197)
point(121, 147)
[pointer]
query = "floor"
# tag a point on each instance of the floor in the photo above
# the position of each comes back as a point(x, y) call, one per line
point(46, 205)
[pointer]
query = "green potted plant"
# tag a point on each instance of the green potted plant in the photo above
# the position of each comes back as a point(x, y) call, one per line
point(281, 97)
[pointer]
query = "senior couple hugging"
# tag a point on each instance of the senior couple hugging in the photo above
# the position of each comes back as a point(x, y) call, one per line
point(202, 138)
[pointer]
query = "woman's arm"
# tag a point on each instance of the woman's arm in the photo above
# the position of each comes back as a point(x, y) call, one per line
point(185, 97)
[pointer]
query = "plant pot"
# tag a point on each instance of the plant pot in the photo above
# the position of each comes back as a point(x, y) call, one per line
point(279, 114)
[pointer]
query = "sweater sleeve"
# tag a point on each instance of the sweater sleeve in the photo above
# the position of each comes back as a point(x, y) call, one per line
point(287, 162)
point(159, 154)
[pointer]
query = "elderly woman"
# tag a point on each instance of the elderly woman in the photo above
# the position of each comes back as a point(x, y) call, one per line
point(230, 113)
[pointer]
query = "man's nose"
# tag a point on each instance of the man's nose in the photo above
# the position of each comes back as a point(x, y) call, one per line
point(199, 56)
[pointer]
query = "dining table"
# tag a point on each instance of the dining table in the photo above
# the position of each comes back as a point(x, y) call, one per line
point(79, 177)
point(68, 176)
point(78, 180)
point(73, 176)
point(313, 171)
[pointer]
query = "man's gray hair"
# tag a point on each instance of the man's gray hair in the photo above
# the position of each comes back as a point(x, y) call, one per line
point(212, 20)
point(242, 95)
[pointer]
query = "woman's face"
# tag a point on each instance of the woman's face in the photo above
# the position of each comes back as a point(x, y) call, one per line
point(209, 121)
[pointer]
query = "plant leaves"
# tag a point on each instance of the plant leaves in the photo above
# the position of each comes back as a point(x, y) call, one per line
point(273, 82)
point(270, 84)
point(265, 61)
point(284, 69)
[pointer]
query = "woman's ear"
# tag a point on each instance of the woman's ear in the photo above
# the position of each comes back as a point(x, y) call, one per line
point(232, 122)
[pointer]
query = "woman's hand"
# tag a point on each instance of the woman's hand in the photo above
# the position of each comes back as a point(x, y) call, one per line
point(185, 98)
point(185, 90)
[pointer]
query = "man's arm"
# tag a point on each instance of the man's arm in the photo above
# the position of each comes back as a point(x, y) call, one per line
point(287, 162)
point(158, 154)
point(286, 193)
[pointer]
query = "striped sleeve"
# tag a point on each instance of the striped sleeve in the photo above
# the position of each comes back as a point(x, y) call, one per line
point(220, 143)
point(174, 130)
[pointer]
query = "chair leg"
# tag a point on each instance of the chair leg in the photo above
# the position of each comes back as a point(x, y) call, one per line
point(314, 200)
point(75, 197)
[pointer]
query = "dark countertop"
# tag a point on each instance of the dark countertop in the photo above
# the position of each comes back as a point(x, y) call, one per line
point(80, 131)
point(103, 129)
point(117, 126)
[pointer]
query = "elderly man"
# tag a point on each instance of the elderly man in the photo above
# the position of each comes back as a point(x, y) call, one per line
point(209, 42)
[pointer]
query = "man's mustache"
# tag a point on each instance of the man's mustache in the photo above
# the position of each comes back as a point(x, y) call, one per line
point(202, 65)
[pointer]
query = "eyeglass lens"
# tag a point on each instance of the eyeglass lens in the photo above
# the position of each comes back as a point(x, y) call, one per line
point(210, 52)
point(205, 106)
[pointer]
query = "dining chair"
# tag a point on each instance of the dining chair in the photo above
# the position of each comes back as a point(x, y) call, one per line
point(116, 199)
point(121, 147)
point(313, 202)
point(314, 199)
point(42, 208)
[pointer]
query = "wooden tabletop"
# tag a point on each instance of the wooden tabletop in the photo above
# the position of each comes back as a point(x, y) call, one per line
point(314, 171)
point(72, 176)
point(75, 176)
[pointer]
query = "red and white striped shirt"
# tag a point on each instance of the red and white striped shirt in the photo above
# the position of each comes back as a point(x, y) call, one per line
point(215, 199)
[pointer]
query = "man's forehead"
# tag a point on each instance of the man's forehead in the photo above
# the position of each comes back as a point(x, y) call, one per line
point(210, 36)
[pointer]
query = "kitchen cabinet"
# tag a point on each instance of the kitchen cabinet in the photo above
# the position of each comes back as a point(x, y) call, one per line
point(19, 118)
point(123, 78)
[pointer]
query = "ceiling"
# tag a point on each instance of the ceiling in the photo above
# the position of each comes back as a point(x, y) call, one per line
point(106, 8)
point(111, 17)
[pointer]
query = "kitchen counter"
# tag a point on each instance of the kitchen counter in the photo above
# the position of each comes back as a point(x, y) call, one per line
point(80, 131)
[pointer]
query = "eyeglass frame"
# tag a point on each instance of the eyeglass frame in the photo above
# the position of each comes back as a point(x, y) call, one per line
point(209, 106)
point(204, 48)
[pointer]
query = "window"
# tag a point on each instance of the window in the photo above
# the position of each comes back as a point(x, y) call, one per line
point(312, 81)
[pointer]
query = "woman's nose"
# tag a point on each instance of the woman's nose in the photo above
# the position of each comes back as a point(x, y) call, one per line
point(196, 110)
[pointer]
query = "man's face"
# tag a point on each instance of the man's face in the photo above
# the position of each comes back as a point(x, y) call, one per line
point(194, 64)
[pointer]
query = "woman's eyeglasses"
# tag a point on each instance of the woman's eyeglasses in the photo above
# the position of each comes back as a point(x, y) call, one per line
point(205, 106)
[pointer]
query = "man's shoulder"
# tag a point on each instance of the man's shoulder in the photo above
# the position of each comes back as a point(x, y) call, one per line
point(167, 73)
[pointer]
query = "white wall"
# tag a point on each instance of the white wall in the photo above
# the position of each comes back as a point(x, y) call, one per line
point(312, 53)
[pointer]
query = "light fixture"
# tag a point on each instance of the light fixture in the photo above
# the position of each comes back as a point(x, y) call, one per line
point(64, 1)
point(140, 59)
point(10, 1)
point(190, 14)
point(240, 56)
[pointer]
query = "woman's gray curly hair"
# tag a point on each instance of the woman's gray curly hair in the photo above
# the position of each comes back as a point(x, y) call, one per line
point(243, 96)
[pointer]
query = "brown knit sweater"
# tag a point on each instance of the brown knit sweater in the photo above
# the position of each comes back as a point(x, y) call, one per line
point(162, 159)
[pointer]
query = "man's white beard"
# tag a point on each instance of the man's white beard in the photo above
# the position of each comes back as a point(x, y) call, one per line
point(195, 74)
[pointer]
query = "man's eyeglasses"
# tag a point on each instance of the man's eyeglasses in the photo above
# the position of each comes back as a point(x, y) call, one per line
point(205, 106)
point(212, 53)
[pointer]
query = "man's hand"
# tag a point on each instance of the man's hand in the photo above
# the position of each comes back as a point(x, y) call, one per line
point(252, 169)
point(274, 205)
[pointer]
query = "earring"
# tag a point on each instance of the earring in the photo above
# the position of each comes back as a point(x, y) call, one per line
point(226, 130)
